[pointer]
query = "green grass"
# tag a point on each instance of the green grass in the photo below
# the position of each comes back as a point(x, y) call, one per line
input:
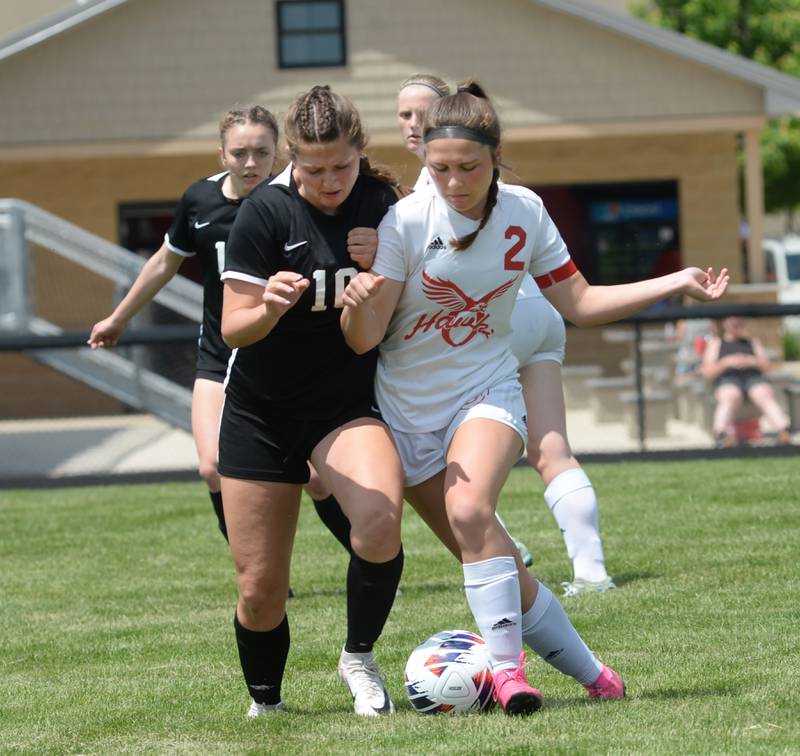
point(116, 637)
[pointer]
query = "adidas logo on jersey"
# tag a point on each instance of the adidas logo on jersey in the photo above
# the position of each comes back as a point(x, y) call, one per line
point(436, 245)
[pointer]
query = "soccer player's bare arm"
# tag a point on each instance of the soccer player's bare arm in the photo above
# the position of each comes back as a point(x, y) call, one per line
point(250, 311)
point(586, 305)
point(155, 274)
point(369, 302)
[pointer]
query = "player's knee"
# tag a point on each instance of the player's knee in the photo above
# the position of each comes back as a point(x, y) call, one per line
point(263, 601)
point(469, 515)
point(315, 489)
point(377, 533)
point(550, 457)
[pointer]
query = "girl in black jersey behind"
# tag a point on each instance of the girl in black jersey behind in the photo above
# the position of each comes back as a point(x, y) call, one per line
point(203, 220)
point(296, 393)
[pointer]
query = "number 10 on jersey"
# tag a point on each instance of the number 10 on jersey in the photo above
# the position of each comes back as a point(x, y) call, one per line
point(341, 279)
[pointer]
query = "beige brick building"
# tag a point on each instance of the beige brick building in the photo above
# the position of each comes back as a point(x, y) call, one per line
point(113, 104)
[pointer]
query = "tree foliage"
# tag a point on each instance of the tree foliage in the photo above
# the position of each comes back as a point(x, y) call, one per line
point(768, 32)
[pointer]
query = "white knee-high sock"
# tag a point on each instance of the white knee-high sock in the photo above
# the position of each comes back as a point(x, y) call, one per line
point(492, 587)
point(572, 500)
point(548, 631)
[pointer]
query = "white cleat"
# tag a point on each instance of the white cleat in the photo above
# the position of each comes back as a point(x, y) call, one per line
point(361, 674)
point(260, 710)
point(579, 586)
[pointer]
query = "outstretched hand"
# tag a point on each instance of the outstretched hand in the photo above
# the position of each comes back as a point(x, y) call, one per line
point(361, 289)
point(705, 286)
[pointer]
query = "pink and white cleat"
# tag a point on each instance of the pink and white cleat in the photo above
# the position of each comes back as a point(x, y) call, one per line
point(608, 684)
point(512, 691)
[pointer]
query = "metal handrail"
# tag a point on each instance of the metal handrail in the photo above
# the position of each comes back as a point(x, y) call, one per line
point(121, 377)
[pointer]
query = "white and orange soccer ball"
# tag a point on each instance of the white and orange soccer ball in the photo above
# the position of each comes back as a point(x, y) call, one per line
point(450, 673)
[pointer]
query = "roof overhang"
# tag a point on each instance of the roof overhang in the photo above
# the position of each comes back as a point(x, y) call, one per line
point(614, 129)
point(385, 139)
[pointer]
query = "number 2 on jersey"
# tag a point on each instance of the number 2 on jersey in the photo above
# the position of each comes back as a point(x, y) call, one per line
point(522, 237)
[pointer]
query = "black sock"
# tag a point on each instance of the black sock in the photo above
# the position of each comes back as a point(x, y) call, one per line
point(371, 588)
point(263, 658)
point(216, 502)
point(335, 520)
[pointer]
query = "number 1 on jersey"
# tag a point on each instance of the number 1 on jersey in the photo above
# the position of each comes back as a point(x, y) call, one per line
point(220, 247)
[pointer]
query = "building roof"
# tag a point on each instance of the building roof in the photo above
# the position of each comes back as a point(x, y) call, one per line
point(782, 92)
point(129, 75)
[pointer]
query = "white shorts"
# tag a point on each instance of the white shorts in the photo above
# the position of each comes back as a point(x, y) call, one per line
point(424, 454)
point(537, 331)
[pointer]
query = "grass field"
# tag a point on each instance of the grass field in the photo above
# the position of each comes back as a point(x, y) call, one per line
point(116, 635)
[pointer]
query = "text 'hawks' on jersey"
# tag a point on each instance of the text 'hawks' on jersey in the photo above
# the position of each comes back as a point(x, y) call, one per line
point(202, 223)
point(303, 367)
point(453, 317)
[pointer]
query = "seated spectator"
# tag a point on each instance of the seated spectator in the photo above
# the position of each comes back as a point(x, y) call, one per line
point(736, 364)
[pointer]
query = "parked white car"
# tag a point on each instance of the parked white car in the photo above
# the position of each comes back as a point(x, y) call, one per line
point(782, 266)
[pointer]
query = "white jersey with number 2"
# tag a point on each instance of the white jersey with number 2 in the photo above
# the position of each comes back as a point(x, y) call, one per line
point(449, 338)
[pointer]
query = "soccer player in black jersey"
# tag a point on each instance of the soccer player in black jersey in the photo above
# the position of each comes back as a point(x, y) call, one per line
point(203, 220)
point(296, 393)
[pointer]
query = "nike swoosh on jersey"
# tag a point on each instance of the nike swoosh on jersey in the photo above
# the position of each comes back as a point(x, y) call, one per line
point(202, 225)
point(289, 247)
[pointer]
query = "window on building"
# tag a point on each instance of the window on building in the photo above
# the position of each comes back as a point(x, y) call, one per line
point(142, 226)
point(310, 33)
point(618, 232)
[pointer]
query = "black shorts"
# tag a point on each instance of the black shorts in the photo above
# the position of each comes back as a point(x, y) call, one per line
point(211, 363)
point(257, 446)
point(743, 382)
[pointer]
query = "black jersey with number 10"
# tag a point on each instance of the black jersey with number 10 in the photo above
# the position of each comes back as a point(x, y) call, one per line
point(303, 368)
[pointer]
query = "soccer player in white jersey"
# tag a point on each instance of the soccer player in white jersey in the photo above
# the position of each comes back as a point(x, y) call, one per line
point(438, 301)
point(538, 342)
point(415, 96)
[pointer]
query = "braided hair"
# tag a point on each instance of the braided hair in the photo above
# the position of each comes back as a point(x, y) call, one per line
point(470, 108)
point(321, 116)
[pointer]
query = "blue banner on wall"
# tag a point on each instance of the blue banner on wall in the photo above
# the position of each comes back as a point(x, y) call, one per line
point(633, 210)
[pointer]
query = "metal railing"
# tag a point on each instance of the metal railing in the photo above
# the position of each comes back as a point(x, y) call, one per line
point(125, 378)
point(23, 330)
point(672, 314)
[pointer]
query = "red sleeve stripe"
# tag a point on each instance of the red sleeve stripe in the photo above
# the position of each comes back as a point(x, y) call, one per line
point(557, 275)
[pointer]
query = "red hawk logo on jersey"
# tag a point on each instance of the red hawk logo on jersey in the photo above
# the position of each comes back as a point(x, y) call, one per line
point(460, 311)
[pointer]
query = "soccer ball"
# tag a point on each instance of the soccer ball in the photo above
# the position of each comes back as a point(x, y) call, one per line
point(450, 673)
